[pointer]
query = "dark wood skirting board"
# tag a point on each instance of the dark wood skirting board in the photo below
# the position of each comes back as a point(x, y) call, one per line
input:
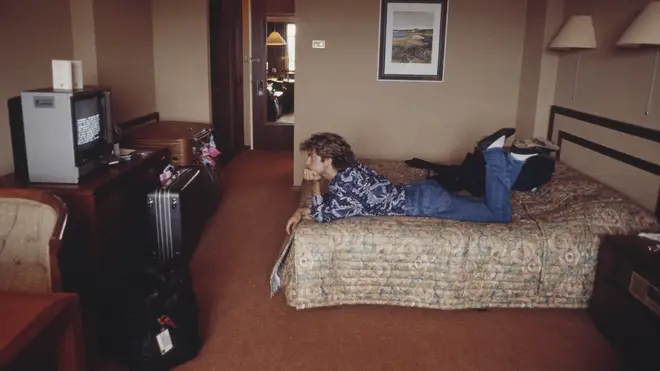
point(623, 127)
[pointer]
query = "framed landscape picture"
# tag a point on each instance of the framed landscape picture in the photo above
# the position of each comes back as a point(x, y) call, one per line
point(412, 40)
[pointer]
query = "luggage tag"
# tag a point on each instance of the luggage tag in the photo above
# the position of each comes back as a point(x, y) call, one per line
point(175, 170)
point(168, 173)
point(164, 341)
point(163, 338)
point(169, 167)
point(165, 176)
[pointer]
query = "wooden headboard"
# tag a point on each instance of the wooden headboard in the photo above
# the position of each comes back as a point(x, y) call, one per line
point(559, 135)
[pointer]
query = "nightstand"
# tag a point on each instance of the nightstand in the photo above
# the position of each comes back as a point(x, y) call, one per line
point(625, 305)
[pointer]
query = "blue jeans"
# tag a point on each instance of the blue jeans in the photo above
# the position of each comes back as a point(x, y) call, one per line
point(428, 199)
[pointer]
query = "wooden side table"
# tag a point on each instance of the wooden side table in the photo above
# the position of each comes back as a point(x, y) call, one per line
point(625, 305)
point(40, 329)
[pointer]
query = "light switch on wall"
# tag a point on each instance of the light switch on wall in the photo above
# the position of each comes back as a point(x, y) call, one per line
point(318, 44)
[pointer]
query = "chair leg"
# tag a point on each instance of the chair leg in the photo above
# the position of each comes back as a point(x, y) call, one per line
point(71, 355)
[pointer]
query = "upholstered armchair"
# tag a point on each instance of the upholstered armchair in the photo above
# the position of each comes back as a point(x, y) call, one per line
point(32, 223)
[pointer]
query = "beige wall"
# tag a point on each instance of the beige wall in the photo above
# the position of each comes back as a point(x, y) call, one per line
point(549, 65)
point(531, 67)
point(84, 39)
point(337, 88)
point(125, 57)
point(32, 33)
point(116, 54)
point(181, 59)
point(490, 66)
point(614, 83)
point(539, 67)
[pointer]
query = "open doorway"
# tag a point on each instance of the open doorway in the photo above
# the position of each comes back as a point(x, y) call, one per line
point(273, 58)
point(233, 85)
point(281, 70)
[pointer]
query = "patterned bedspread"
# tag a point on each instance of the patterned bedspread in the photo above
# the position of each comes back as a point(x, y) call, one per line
point(546, 257)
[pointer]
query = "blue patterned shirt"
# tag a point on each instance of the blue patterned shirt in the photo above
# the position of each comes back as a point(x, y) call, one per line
point(359, 191)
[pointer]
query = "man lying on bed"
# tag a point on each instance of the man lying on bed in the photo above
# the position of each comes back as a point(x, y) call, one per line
point(356, 190)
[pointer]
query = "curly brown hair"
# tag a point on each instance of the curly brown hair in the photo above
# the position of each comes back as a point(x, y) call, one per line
point(330, 145)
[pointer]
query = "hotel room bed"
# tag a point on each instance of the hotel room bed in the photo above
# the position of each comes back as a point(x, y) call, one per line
point(546, 257)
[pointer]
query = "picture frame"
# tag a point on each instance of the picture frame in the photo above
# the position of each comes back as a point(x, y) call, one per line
point(412, 40)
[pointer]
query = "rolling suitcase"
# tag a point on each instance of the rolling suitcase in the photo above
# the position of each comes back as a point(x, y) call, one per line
point(177, 213)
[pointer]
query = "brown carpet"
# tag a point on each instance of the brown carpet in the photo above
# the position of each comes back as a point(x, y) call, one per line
point(244, 329)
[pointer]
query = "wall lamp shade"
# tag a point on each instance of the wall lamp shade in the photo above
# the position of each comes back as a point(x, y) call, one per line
point(275, 39)
point(645, 29)
point(577, 33)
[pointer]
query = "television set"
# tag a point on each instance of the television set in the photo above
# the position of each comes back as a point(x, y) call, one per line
point(60, 136)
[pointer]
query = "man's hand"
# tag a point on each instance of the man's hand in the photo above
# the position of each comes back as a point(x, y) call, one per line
point(311, 175)
point(295, 219)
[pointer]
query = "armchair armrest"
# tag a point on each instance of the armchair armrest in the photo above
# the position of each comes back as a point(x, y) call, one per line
point(35, 219)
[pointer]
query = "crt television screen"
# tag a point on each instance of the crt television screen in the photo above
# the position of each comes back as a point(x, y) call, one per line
point(88, 120)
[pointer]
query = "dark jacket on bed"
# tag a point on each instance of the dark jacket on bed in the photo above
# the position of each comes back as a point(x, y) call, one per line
point(470, 175)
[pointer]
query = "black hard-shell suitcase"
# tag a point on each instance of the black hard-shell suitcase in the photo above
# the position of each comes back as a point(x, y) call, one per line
point(178, 211)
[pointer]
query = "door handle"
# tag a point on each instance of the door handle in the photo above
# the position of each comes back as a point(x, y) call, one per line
point(260, 88)
point(255, 60)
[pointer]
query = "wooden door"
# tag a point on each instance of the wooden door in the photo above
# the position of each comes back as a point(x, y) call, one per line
point(266, 135)
point(226, 50)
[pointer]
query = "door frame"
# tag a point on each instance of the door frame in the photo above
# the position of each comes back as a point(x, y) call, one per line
point(228, 81)
point(226, 75)
point(258, 72)
point(264, 135)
